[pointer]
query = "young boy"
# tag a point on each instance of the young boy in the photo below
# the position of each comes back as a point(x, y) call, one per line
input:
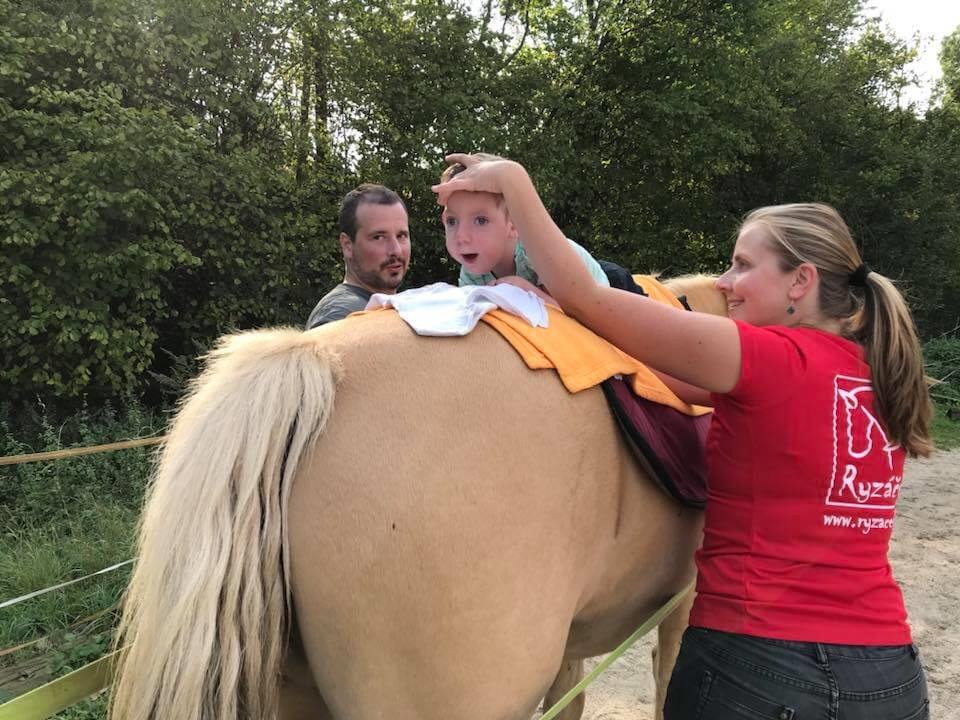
point(481, 237)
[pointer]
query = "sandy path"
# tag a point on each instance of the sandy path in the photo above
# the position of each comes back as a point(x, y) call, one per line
point(925, 553)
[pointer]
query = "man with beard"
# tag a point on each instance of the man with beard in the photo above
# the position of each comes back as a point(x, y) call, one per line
point(375, 241)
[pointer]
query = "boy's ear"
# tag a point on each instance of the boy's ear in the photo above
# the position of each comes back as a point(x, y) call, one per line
point(511, 228)
point(346, 245)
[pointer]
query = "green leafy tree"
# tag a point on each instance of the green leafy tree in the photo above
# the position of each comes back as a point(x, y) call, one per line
point(85, 240)
point(146, 203)
point(950, 65)
point(171, 170)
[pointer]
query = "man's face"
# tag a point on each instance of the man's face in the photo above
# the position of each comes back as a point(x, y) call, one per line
point(377, 258)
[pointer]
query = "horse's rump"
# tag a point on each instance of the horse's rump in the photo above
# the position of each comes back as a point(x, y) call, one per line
point(488, 505)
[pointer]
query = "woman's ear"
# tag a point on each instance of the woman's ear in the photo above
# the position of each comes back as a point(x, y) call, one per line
point(804, 280)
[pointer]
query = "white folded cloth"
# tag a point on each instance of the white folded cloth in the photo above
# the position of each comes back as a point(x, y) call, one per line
point(442, 309)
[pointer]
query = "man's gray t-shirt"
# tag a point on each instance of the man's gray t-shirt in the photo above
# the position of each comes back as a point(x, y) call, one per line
point(338, 303)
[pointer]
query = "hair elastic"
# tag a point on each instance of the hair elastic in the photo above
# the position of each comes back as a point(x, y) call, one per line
point(858, 278)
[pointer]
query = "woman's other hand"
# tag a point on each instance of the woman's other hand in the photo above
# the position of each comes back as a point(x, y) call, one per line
point(525, 284)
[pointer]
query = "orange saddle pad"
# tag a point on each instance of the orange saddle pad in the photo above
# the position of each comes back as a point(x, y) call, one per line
point(582, 358)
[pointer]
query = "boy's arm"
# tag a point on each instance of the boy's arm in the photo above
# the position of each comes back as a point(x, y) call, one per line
point(702, 350)
point(525, 284)
point(599, 276)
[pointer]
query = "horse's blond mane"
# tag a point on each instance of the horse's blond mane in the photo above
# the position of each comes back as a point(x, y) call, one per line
point(205, 619)
point(701, 292)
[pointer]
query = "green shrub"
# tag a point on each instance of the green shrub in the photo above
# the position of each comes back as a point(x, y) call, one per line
point(44, 494)
point(67, 518)
point(74, 651)
point(942, 359)
point(133, 221)
point(92, 709)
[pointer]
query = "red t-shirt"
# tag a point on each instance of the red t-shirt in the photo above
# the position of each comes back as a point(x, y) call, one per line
point(803, 485)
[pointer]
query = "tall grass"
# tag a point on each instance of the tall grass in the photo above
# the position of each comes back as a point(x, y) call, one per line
point(42, 555)
point(61, 520)
point(946, 432)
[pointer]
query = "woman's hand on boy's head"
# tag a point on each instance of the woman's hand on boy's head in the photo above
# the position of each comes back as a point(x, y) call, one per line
point(479, 176)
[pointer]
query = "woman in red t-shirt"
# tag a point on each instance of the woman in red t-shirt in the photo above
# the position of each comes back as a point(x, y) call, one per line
point(819, 393)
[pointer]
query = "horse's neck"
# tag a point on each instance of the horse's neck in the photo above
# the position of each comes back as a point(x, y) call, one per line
point(701, 292)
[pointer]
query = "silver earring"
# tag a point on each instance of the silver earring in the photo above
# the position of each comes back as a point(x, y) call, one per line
point(791, 309)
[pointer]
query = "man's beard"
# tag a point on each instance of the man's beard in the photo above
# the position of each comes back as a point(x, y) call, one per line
point(373, 279)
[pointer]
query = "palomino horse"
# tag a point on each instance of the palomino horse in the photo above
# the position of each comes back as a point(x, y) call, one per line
point(360, 523)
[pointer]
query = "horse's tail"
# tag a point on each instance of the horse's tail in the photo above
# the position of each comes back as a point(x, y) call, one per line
point(205, 619)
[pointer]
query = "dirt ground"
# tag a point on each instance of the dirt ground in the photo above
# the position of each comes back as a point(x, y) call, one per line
point(925, 553)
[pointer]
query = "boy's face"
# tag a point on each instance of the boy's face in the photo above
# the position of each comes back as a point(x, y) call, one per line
point(479, 234)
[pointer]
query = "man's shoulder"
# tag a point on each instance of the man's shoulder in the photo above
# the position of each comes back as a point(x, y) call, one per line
point(346, 290)
point(338, 303)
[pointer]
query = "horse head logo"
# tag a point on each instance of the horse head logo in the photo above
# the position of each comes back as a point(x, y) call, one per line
point(857, 434)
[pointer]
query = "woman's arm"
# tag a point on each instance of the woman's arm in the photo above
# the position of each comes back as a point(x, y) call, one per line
point(702, 350)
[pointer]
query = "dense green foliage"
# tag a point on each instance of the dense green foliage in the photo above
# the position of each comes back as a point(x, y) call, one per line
point(171, 170)
point(942, 356)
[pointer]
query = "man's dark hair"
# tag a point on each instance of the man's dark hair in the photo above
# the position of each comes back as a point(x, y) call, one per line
point(366, 193)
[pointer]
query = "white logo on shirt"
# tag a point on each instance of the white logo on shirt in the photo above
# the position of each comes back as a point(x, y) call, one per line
point(856, 434)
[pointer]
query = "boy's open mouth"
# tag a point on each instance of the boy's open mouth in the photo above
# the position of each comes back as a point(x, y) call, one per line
point(470, 257)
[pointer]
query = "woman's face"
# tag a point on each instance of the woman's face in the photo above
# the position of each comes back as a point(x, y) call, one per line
point(756, 289)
